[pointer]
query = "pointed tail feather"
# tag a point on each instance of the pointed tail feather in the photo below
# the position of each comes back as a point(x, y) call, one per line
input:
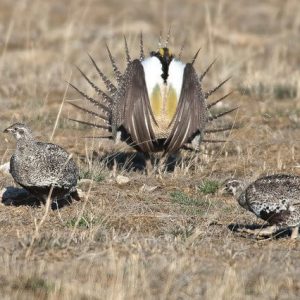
point(106, 127)
point(219, 100)
point(128, 58)
point(214, 141)
point(142, 55)
point(109, 137)
point(181, 49)
point(98, 91)
point(109, 85)
point(159, 40)
point(103, 117)
point(93, 101)
point(168, 37)
point(231, 127)
point(207, 70)
point(207, 94)
point(195, 56)
point(117, 72)
point(222, 114)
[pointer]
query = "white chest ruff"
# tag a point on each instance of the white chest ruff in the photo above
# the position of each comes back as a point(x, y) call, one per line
point(163, 96)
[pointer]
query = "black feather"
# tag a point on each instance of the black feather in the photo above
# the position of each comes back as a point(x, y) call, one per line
point(106, 127)
point(222, 114)
point(195, 56)
point(219, 100)
point(213, 141)
point(103, 117)
point(207, 70)
point(207, 94)
point(231, 127)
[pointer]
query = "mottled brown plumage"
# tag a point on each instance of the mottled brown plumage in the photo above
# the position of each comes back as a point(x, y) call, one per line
point(43, 169)
point(274, 198)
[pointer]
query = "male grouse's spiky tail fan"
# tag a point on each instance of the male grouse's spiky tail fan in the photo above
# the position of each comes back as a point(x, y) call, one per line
point(157, 104)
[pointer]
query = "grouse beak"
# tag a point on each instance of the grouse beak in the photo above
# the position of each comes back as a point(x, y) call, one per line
point(225, 191)
point(7, 130)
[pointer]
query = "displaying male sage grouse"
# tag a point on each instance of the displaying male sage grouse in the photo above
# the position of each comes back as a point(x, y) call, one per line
point(274, 198)
point(43, 169)
point(156, 105)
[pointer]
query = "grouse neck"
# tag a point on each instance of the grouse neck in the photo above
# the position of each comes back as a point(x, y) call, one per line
point(241, 195)
point(25, 144)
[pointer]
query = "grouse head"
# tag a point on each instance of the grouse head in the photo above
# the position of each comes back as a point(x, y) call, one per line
point(165, 57)
point(234, 186)
point(20, 131)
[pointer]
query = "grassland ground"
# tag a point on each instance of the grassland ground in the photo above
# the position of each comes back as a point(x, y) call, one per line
point(155, 237)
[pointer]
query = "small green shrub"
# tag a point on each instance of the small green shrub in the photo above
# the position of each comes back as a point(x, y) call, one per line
point(37, 284)
point(95, 175)
point(84, 222)
point(209, 187)
point(182, 198)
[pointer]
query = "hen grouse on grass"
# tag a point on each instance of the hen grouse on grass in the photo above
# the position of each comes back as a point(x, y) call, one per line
point(274, 198)
point(43, 169)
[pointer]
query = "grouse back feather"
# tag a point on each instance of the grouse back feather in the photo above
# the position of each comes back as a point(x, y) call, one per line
point(274, 198)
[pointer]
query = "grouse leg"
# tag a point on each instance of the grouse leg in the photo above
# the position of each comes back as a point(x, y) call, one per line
point(295, 232)
point(149, 166)
point(161, 165)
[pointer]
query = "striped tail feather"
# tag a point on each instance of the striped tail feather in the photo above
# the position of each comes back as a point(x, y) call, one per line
point(90, 112)
point(128, 58)
point(116, 70)
point(105, 97)
point(142, 55)
point(109, 137)
point(109, 85)
point(106, 127)
point(181, 49)
point(92, 100)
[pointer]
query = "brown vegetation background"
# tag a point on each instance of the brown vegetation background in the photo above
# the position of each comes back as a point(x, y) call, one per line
point(156, 237)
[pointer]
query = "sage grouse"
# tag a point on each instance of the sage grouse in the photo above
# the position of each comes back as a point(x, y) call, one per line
point(274, 198)
point(156, 105)
point(43, 169)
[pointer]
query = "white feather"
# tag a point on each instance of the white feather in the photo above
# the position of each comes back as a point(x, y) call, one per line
point(175, 78)
point(153, 70)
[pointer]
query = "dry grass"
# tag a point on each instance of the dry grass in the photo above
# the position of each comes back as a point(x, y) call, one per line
point(154, 238)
